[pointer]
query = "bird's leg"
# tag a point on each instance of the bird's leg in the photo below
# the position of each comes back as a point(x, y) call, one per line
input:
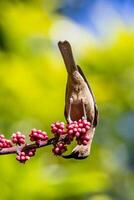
point(69, 110)
point(84, 109)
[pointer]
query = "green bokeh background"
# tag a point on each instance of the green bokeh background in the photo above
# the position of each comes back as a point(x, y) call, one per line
point(32, 87)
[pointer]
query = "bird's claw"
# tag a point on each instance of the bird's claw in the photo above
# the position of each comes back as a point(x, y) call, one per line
point(74, 155)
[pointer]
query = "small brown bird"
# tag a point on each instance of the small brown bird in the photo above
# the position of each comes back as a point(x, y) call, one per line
point(79, 99)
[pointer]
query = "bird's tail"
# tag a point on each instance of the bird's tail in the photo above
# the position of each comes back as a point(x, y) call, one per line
point(81, 151)
point(66, 52)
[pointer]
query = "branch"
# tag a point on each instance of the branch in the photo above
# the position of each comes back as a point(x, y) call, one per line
point(63, 136)
point(15, 149)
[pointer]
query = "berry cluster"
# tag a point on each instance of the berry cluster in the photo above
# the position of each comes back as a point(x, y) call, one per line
point(38, 135)
point(79, 130)
point(25, 155)
point(75, 129)
point(22, 157)
point(63, 136)
point(59, 148)
point(18, 138)
point(35, 135)
point(58, 128)
point(4, 143)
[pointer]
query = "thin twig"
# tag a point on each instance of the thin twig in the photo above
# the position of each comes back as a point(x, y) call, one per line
point(14, 149)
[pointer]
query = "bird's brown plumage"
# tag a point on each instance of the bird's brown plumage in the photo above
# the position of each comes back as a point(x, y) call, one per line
point(79, 91)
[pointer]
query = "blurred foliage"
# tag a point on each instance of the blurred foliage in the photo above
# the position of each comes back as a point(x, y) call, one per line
point(33, 79)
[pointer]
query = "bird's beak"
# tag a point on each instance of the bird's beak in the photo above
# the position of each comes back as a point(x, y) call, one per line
point(75, 155)
point(80, 152)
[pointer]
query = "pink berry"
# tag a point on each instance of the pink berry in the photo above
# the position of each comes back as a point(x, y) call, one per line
point(77, 134)
point(87, 137)
point(23, 158)
point(23, 153)
point(75, 130)
point(57, 149)
point(80, 125)
point(18, 157)
point(70, 131)
point(83, 130)
point(87, 127)
point(30, 153)
point(84, 142)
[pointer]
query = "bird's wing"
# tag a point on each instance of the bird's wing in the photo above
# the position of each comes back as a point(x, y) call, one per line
point(65, 112)
point(95, 122)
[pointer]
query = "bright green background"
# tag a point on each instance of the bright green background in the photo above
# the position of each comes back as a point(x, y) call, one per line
point(32, 85)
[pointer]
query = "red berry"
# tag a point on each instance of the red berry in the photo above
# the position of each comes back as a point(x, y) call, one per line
point(83, 130)
point(31, 152)
point(27, 157)
point(87, 137)
point(70, 131)
point(84, 142)
point(77, 134)
point(80, 125)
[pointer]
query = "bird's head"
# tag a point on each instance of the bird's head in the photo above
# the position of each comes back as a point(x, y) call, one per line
point(79, 152)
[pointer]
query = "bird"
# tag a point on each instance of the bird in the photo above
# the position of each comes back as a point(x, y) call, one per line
point(79, 100)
